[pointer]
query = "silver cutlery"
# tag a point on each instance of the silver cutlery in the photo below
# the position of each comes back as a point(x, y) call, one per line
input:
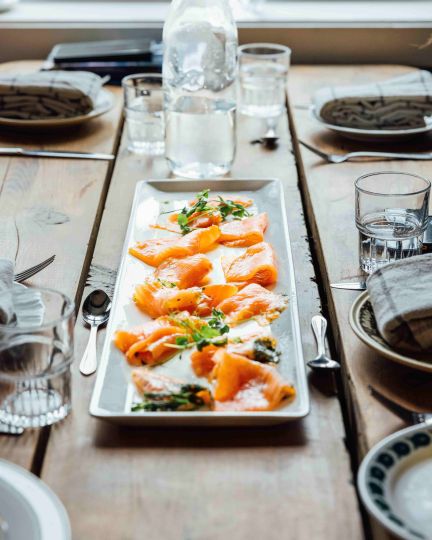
point(16, 151)
point(350, 285)
point(26, 274)
point(408, 415)
point(269, 140)
point(321, 361)
point(337, 158)
point(95, 312)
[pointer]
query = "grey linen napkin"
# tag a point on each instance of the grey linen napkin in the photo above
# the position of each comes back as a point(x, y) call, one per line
point(401, 102)
point(7, 315)
point(401, 297)
point(49, 94)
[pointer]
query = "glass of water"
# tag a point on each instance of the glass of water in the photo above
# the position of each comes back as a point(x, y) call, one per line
point(263, 73)
point(35, 361)
point(391, 211)
point(143, 101)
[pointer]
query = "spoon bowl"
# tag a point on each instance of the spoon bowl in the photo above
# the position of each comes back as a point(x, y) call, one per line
point(95, 312)
point(321, 362)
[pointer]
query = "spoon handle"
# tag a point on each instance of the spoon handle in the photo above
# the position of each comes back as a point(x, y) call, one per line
point(319, 326)
point(88, 363)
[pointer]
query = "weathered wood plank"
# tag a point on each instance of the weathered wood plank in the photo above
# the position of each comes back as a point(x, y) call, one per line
point(204, 483)
point(329, 194)
point(53, 206)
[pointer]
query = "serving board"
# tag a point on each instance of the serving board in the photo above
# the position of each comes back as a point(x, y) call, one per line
point(114, 394)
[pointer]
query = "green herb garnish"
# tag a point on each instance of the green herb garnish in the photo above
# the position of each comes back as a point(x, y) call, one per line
point(227, 207)
point(186, 399)
point(167, 284)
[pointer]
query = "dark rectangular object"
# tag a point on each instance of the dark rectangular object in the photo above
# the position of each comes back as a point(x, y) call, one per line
point(116, 58)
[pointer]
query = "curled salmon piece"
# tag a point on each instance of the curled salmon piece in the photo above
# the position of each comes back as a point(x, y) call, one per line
point(242, 384)
point(184, 273)
point(213, 295)
point(253, 301)
point(154, 299)
point(256, 265)
point(245, 232)
point(163, 393)
point(198, 220)
point(259, 347)
point(203, 361)
point(156, 250)
point(147, 344)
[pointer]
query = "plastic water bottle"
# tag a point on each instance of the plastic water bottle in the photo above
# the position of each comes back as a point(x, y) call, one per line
point(199, 73)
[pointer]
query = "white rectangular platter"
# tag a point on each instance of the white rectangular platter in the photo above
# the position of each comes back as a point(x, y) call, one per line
point(114, 394)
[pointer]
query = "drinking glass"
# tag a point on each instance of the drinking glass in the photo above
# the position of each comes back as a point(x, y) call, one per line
point(35, 362)
point(391, 210)
point(143, 101)
point(263, 72)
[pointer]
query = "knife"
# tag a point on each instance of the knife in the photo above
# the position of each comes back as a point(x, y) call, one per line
point(16, 151)
point(352, 286)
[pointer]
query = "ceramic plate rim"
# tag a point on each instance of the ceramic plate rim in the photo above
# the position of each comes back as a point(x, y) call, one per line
point(266, 416)
point(361, 479)
point(104, 103)
point(356, 326)
point(15, 476)
point(372, 132)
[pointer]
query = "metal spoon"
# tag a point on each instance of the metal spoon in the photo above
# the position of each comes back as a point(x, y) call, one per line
point(95, 312)
point(319, 326)
point(270, 139)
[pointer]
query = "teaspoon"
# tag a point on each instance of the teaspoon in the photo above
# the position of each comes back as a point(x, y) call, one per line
point(319, 327)
point(95, 312)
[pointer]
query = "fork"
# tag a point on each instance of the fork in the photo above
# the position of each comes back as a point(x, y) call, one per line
point(26, 274)
point(337, 158)
point(408, 415)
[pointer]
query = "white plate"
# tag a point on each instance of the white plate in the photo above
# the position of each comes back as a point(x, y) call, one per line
point(362, 321)
point(104, 103)
point(395, 482)
point(372, 135)
point(31, 509)
point(113, 393)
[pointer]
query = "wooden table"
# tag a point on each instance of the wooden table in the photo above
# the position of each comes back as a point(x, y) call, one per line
point(290, 481)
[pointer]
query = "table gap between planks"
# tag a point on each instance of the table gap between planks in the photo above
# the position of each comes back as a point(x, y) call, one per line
point(204, 483)
point(328, 191)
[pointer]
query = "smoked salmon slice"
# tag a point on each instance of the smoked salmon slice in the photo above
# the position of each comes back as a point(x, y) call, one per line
point(184, 273)
point(253, 301)
point(147, 344)
point(259, 347)
point(203, 361)
point(245, 232)
point(256, 265)
point(213, 295)
point(162, 393)
point(156, 250)
point(245, 385)
point(155, 299)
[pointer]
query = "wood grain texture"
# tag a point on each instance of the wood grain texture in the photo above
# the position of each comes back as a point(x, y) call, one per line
point(53, 206)
point(194, 484)
point(329, 193)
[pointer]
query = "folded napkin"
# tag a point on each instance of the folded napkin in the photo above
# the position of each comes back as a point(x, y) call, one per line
point(7, 314)
point(397, 103)
point(49, 94)
point(401, 297)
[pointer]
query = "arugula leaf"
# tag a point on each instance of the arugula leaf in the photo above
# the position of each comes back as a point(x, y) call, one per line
point(227, 207)
point(182, 341)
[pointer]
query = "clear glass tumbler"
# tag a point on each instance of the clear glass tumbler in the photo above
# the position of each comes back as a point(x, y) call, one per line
point(263, 74)
point(143, 101)
point(35, 363)
point(391, 210)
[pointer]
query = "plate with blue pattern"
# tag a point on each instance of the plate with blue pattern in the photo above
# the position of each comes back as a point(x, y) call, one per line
point(395, 482)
